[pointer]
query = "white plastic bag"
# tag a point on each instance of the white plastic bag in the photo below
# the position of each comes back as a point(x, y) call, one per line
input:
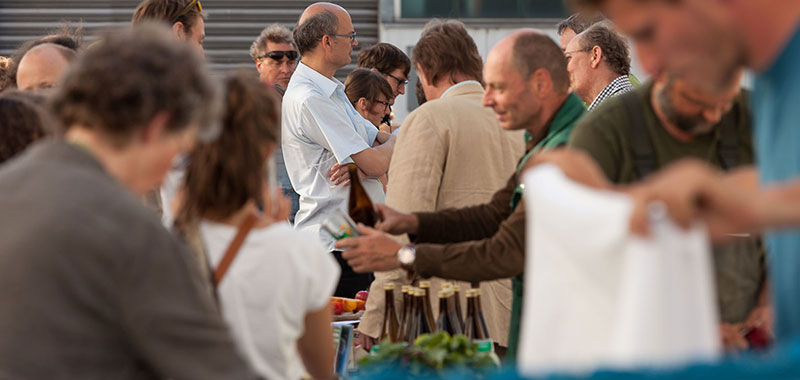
point(598, 297)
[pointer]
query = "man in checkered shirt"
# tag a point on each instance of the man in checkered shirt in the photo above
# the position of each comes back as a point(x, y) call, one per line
point(598, 62)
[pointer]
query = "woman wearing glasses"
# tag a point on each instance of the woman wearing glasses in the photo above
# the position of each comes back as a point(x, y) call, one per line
point(371, 96)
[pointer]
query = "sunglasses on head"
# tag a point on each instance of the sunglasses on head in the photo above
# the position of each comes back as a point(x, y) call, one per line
point(188, 9)
point(279, 54)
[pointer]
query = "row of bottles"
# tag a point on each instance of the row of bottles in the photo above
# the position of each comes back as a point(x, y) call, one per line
point(416, 317)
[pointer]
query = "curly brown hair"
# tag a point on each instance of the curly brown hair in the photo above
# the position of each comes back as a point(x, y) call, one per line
point(22, 121)
point(225, 174)
point(119, 85)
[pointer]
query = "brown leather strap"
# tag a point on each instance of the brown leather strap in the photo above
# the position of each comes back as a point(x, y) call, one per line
point(233, 248)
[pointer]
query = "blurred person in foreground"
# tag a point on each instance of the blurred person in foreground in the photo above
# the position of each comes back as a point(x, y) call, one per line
point(527, 87)
point(322, 132)
point(276, 58)
point(22, 121)
point(598, 64)
point(668, 120)
point(451, 153)
point(100, 289)
point(708, 42)
point(281, 321)
point(185, 18)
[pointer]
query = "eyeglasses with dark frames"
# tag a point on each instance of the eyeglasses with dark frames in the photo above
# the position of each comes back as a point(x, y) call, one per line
point(386, 105)
point(351, 36)
point(399, 81)
point(278, 55)
point(188, 9)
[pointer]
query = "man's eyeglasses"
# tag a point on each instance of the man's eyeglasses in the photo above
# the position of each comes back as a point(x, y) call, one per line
point(351, 36)
point(188, 9)
point(279, 54)
point(399, 81)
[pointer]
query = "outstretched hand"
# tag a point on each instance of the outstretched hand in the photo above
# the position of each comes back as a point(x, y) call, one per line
point(373, 251)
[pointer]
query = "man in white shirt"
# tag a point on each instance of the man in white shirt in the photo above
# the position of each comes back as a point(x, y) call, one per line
point(322, 131)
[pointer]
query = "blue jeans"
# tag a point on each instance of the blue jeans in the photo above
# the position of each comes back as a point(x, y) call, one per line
point(295, 199)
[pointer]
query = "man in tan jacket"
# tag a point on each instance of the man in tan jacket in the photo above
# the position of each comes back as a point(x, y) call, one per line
point(451, 153)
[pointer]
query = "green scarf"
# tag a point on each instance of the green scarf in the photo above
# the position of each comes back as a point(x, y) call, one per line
point(557, 136)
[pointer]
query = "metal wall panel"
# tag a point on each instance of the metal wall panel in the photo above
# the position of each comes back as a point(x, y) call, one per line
point(231, 27)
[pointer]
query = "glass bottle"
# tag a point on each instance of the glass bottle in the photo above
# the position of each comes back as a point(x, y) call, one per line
point(360, 207)
point(390, 327)
point(428, 307)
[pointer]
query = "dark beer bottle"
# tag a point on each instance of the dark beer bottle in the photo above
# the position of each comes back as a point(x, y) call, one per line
point(479, 310)
point(360, 207)
point(451, 313)
point(457, 300)
point(412, 321)
point(404, 314)
point(426, 287)
point(469, 321)
point(390, 327)
point(424, 325)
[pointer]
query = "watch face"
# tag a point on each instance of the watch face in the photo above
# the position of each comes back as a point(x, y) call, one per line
point(406, 256)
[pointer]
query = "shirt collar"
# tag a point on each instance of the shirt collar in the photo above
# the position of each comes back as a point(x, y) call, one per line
point(457, 85)
point(328, 86)
point(619, 85)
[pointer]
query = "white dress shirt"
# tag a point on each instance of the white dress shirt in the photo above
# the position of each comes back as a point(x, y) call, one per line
point(320, 128)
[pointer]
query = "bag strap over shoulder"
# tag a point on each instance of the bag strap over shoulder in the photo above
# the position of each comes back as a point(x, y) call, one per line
point(233, 249)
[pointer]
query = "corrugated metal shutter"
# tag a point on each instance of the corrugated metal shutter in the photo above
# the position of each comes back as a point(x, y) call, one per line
point(231, 28)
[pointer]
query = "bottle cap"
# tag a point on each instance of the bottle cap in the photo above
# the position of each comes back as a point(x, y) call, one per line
point(456, 288)
point(388, 287)
point(404, 288)
point(447, 285)
point(442, 294)
point(424, 284)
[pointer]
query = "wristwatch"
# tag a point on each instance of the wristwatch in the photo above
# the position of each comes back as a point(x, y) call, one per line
point(407, 255)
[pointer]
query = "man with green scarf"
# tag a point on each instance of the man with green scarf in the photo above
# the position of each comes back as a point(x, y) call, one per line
point(527, 86)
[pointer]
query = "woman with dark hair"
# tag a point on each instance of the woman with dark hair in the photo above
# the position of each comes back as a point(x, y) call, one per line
point(22, 121)
point(276, 293)
point(371, 95)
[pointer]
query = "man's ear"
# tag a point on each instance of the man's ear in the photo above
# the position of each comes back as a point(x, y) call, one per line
point(179, 30)
point(156, 128)
point(421, 75)
point(597, 56)
point(541, 83)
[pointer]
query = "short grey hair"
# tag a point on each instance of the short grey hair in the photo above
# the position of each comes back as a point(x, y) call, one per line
point(578, 22)
point(614, 46)
point(308, 34)
point(533, 51)
point(273, 33)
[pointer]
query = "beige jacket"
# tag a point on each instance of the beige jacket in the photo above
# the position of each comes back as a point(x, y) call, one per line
point(451, 152)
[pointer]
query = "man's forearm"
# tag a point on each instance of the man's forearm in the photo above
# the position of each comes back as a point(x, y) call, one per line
point(496, 257)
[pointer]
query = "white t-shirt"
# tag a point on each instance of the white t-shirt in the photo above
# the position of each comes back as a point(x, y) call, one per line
point(279, 275)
